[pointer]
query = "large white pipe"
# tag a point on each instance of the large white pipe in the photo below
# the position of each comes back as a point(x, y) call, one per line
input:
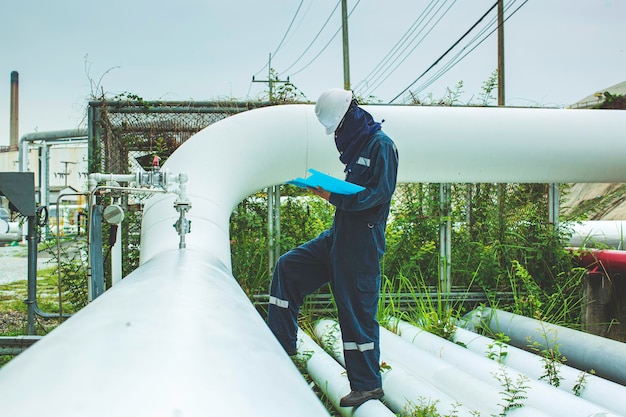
point(540, 395)
point(404, 391)
point(227, 162)
point(331, 379)
point(465, 390)
point(584, 351)
point(176, 338)
point(603, 392)
point(594, 233)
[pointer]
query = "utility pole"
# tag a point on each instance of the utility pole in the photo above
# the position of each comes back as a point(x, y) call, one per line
point(270, 81)
point(273, 192)
point(501, 53)
point(346, 52)
point(501, 103)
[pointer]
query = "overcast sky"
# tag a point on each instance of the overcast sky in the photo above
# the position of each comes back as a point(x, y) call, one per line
point(557, 51)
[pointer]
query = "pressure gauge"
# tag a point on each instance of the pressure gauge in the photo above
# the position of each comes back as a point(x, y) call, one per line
point(113, 214)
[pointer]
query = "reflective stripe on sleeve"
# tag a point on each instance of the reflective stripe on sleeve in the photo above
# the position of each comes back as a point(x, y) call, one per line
point(278, 302)
point(360, 347)
point(363, 161)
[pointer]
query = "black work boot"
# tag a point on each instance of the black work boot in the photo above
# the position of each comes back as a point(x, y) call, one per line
point(356, 398)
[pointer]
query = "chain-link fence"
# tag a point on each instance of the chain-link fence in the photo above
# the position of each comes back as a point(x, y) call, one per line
point(126, 135)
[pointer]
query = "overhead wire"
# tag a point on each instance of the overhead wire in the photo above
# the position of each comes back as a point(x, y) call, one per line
point(377, 82)
point(293, 19)
point(455, 61)
point(288, 28)
point(446, 52)
point(450, 62)
point(325, 46)
point(403, 39)
point(314, 38)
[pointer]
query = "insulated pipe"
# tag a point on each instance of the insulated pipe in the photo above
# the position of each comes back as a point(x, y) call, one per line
point(403, 391)
point(210, 353)
point(230, 160)
point(603, 260)
point(597, 390)
point(584, 351)
point(605, 232)
point(439, 376)
point(539, 395)
point(331, 379)
point(53, 136)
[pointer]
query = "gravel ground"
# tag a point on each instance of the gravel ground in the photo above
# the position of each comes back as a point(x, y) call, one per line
point(11, 320)
point(14, 263)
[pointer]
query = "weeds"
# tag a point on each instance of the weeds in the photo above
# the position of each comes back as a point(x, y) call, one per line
point(551, 357)
point(581, 382)
point(435, 316)
point(514, 392)
point(426, 408)
point(497, 350)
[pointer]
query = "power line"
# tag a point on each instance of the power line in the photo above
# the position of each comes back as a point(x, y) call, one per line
point(289, 28)
point(451, 64)
point(284, 36)
point(398, 44)
point(445, 53)
point(325, 46)
point(314, 39)
point(414, 47)
point(448, 65)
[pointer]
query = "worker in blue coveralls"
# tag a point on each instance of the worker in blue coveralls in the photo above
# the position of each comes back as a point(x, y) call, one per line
point(348, 254)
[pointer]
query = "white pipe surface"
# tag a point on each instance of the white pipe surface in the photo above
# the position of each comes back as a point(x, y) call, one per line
point(404, 391)
point(600, 391)
point(584, 351)
point(176, 338)
point(226, 162)
point(594, 232)
point(331, 379)
point(449, 385)
point(540, 395)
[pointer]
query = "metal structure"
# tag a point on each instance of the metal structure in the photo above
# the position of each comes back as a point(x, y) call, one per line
point(19, 188)
point(125, 135)
point(181, 332)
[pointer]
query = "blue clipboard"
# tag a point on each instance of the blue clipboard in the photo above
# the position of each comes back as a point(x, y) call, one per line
point(327, 182)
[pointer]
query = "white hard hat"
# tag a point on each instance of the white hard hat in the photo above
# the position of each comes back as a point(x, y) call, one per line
point(331, 107)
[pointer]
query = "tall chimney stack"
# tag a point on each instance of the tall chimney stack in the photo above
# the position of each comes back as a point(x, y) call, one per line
point(14, 126)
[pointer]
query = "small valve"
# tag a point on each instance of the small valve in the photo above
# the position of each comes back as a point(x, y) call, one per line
point(182, 225)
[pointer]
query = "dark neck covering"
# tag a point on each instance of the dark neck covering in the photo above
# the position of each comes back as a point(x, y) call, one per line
point(355, 131)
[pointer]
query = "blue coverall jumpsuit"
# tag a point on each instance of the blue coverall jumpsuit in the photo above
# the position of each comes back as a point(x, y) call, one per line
point(348, 257)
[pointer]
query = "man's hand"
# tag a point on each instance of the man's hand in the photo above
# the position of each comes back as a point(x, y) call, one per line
point(319, 191)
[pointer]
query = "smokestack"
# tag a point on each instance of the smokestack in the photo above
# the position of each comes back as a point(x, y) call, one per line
point(14, 130)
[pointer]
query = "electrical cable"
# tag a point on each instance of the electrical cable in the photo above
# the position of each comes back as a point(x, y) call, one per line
point(289, 28)
point(451, 65)
point(284, 36)
point(398, 44)
point(314, 39)
point(413, 49)
point(325, 46)
point(448, 65)
point(445, 53)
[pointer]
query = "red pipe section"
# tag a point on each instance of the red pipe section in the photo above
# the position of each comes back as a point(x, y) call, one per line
point(602, 260)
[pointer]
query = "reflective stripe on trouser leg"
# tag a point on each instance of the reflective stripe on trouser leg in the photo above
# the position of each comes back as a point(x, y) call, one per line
point(278, 302)
point(360, 347)
point(298, 273)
